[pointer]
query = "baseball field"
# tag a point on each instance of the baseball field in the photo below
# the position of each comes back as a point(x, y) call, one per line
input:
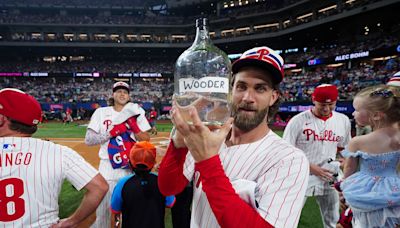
point(72, 135)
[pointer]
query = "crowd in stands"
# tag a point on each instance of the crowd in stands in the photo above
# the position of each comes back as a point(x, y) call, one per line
point(147, 17)
point(137, 3)
point(123, 66)
point(299, 86)
point(345, 47)
point(135, 19)
point(60, 90)
point(296, 87)
point(59, 65)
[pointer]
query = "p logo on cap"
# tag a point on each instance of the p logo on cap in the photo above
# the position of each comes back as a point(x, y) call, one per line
point(263, 57)
point(20, 106)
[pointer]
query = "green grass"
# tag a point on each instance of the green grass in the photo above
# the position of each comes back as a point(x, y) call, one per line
point(70, 198)
point(59, 130)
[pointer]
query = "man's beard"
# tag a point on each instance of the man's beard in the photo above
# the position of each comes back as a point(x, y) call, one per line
point(247, 122)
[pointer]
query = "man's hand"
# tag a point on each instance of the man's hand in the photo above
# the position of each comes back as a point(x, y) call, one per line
point(64, 223)
point(132, 123)
point(177, 138)
point(323, 174)
point(201, 142)
point(118, 130)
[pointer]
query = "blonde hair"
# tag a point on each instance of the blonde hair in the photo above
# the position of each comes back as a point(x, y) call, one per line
point(382, 99)
point(111, 101)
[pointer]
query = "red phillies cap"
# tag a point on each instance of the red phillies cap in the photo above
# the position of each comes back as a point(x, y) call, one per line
point(395, 80)
point(143, 153)
point(120, 85)
point(20, 106)
point(325, 93)
point(263, 57)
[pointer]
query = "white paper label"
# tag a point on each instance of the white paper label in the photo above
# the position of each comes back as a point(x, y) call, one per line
point(206, 84)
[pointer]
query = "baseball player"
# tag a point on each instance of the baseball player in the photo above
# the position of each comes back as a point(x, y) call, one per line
point(32, 170)
point(152, 120)
point(108, 125)
point(320, 132)
point(244, 175)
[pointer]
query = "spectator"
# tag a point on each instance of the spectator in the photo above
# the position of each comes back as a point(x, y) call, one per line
point(136, 196)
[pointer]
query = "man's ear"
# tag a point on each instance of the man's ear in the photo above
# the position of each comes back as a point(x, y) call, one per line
point(274, 97)
point(3, 120)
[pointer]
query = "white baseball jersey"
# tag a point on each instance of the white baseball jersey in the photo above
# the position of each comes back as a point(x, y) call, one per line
point(102, 122)
point(270, 170)
point(32, 172)
point(318, 139)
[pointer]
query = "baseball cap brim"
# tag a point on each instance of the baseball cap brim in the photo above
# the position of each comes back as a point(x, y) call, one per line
point(120, 87)
point(240, 63)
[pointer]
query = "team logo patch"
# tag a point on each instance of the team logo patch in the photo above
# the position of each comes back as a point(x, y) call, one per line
point(8, 147)
point(119, 148)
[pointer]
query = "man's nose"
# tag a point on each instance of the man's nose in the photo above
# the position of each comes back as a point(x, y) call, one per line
point(248, 96)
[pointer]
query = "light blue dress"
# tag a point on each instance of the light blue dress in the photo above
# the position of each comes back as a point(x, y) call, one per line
point(373, 193)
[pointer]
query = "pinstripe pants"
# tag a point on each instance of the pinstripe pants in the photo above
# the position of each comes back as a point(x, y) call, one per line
point(103, 213)
point(329, 207)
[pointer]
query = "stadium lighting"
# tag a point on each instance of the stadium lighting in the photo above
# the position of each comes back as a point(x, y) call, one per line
point(266, 26)
point(304, 16)
point(327, 8)
point(335, 65)
point(227, 31)
point(242, 29)
point(384, 58)
point(179, 36)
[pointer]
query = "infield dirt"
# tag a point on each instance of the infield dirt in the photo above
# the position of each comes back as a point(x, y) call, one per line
point(90, 153)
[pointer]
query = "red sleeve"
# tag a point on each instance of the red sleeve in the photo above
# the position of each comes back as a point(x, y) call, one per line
point(224, 201)
point(171, 180)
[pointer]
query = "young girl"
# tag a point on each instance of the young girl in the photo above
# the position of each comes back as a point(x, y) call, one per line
point(373, 192)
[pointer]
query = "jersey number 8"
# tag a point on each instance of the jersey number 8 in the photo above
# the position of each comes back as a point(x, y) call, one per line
point(12, 206)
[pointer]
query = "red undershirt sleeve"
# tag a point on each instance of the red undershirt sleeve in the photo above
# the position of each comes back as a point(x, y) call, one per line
point(229, 209)
point(171, 180)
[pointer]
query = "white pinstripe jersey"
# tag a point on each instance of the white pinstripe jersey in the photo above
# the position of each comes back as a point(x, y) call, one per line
point(101, 122)
point(279, 171)
point(31, 175)
point(318, 139)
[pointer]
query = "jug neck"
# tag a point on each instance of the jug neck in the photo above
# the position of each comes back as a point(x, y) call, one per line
point(202, 33)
